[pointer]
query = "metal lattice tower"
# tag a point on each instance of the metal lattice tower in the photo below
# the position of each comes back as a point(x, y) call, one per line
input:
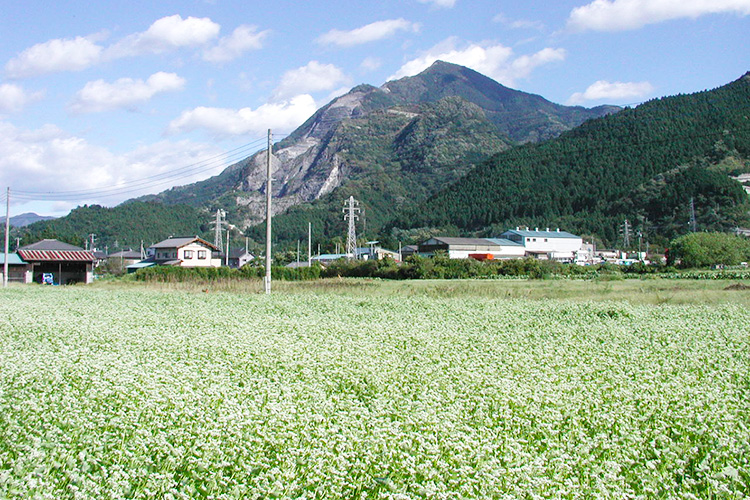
point(351, 208)
point(219, 224)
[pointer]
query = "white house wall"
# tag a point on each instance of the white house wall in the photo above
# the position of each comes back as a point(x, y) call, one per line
point(189, 256)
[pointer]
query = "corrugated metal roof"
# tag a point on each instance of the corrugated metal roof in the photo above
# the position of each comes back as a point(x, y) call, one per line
point(57, 255)
point(450, 240)
point(504, 242)
point(540, 234)
point(13, 259)
point(142, 264)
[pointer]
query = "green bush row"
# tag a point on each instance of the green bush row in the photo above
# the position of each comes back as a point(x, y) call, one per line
point(170, 274)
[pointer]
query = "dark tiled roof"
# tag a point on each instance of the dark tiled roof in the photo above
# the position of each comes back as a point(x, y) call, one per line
point(50, 245)
point(180, 242)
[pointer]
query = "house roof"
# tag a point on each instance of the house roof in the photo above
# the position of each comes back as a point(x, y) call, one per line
point(50, 245)
point(329, 256)
point(451, 241)
point(540, 234)
point(126, 254)
point(13, 259)
point(504, 242)
point(236, 253)
point(142, 264)
point(182, 241)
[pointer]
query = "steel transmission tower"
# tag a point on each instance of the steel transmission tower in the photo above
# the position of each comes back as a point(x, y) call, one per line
point(219, 223)
point(351, 208)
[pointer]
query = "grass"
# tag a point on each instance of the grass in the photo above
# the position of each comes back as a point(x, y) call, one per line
point(654, 291)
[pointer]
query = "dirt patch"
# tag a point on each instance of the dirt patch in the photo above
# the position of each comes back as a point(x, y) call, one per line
point(737, 286)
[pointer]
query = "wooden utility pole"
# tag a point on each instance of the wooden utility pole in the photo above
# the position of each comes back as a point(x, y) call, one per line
point(267, 281)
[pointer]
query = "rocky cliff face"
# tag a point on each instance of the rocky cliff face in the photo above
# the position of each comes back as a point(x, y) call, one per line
point(395, 126)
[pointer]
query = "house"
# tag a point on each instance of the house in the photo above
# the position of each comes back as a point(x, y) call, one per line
point(189, 251)
point(375, 253)
point(553, 245)
point(17, 269)
point(125, 257)
point(58, 262)
point(479, 248)
point(408, 251)
point(238, 257)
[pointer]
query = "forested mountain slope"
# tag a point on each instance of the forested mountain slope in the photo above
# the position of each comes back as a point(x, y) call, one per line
point(120, 227)
point(645, 164)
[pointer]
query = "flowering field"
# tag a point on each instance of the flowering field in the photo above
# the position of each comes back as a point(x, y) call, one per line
point(138, 393)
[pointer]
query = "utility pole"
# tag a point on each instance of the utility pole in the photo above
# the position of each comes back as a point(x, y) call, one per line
point(7, 236)
point(268, 216)
point(350, 213)
point(226, 257)
point(309, 244)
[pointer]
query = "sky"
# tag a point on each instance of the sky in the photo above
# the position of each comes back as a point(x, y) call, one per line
point(100, 103)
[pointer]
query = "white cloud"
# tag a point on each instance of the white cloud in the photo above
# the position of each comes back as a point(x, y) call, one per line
point(446, 4)
point(49, 160)
point(517, 23)
point(370, 64)
point(55, 56)
point(125, 93)
point(312, 77)
point(243, 39)
point(620, 15)
point(369, 33)
point(614, 91)
point(495, 61)
point(222, 122)
point(14, 98)
point(164, 35)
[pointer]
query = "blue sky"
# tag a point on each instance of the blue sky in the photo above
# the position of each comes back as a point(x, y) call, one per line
point(101, 103)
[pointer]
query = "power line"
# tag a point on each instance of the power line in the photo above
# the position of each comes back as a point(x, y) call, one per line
point(145, 183)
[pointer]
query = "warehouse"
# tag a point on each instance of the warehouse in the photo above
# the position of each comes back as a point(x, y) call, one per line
point(55, 262)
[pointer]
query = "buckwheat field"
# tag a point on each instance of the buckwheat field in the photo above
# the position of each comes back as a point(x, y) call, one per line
point(139, 393)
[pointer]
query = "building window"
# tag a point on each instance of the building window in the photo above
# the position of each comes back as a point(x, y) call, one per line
point(188, 254)
point(545, 240)
point(201, 254)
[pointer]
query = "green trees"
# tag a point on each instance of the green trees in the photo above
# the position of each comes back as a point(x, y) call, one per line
point(642, 163)
point(708, 249)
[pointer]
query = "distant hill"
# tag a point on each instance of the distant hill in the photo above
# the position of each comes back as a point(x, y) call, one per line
point(390, 147)
point(120, 227)
point(27, 218)
point(645, 164)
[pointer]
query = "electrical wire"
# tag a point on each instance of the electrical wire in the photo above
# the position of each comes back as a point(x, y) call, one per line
point(145, 183)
